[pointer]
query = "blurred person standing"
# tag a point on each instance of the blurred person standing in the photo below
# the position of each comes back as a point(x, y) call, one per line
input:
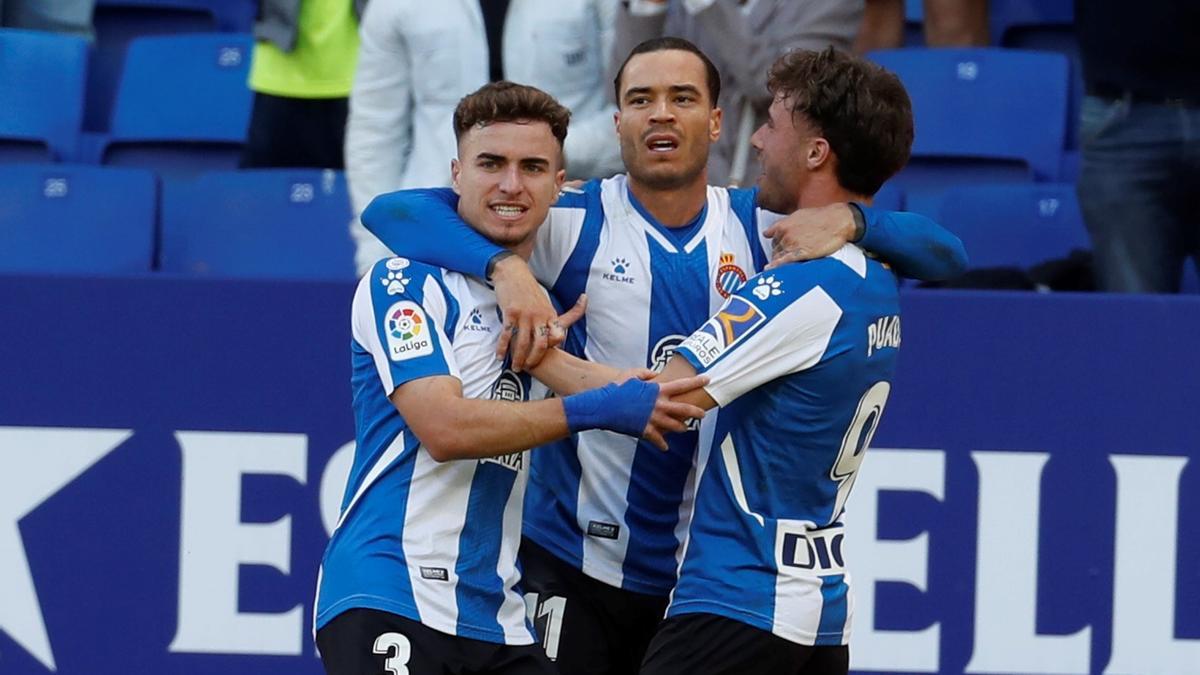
point(301, 74)
point(59, 16)
point(415, 64)
point(743, 38)
point(1139, 184)
point(946, 23)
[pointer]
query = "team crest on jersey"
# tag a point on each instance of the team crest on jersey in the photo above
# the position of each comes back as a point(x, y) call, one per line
point(407, 330)
point(735, 321)
point(730, 277)
point(620, 271)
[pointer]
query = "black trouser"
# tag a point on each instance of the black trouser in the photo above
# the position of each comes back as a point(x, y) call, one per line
point(370, 642)
point(587, 626)
point(707, 644)
point(295, 132)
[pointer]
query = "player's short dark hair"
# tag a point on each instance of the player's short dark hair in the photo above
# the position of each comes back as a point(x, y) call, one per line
point(510, 102)
point(860, 108)
point(662, 44)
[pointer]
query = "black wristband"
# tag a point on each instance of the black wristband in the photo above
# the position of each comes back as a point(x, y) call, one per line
point(495, 260)
point(860, 222)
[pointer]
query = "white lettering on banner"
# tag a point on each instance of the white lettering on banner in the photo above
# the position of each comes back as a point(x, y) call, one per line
point(333, 485)
point(1006, 639)
point(37, 463)
point(872, 560)
point(214, 543)
point(1145, 576)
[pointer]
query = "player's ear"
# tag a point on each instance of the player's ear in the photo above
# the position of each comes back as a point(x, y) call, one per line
point(714, 124)
point(819, 153)
point(455, 170)
point(560, 177)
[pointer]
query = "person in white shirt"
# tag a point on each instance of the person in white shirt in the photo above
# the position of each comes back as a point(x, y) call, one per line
point(415, 63)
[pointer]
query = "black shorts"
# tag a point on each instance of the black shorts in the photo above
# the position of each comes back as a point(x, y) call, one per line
point(370, 642)
point(707, 644)
point(587, 627)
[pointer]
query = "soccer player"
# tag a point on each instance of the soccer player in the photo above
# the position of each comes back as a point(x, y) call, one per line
point(421, 572)
point(801, 361)
point(657, 252)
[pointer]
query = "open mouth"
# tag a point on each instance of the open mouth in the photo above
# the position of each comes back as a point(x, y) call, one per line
point(662, 143)
point(508, 211)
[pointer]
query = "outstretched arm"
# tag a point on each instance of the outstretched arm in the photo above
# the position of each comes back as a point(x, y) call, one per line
point(915, 246)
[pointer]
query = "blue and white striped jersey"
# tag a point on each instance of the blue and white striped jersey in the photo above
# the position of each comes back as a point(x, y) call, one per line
point(433, 542)
point(800, 361)
point(611, 505)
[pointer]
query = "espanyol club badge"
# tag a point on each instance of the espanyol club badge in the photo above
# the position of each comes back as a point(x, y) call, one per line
point(730, 277)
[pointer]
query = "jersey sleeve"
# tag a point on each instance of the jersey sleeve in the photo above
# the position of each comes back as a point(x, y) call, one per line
point(400, 317)
point(560, 235)
point(424, 225)
point(915, 246)
point(777, 324)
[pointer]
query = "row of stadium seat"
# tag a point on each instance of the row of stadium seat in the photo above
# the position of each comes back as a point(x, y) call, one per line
point(182, 102)
point(270, 223)
point(982, 115)
point(291, 223)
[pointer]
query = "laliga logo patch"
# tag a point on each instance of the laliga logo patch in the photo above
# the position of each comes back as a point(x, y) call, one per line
point(730, 277)
point(735, 321)
point(408, 334)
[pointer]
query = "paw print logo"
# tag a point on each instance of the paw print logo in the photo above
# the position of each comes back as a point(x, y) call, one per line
point(620, 265)
point(767, 287)
point(395, 282)
point(475, 318)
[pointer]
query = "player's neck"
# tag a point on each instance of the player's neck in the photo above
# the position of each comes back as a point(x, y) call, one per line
point(673, 207)
point(825, 190)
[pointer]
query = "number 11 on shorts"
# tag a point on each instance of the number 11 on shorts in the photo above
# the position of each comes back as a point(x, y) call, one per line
point(547, 617)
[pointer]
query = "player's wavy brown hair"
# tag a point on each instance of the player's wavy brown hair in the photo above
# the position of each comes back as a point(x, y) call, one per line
point(510, 102)
point(860, 108)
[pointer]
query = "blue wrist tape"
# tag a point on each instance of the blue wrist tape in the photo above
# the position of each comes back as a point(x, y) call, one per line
point(624, 408)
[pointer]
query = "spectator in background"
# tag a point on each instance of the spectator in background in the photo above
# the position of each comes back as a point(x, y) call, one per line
point(743, 38)
point(59, 16)
point(301, 74)
point(947, 23)
point(416, 64)
point(1139, 184)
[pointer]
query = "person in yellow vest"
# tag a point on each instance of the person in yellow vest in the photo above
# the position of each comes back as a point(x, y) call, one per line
point(301, 74)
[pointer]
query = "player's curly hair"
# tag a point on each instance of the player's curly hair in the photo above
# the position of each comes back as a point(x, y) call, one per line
point(860, 108)
point(510, 102)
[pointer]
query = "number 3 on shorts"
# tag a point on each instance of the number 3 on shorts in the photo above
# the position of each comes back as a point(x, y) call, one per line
point(397, 663)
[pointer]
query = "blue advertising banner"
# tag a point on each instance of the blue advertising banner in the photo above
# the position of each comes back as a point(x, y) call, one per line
point(172, 455)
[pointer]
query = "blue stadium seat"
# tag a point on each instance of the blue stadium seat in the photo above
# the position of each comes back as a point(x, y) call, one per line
point(183, 105)
point(229, 15)
point(116, 24)
point(70, 219)
point(265, 223)
point(41, 95)
point(982, 116)
point(1015, 225)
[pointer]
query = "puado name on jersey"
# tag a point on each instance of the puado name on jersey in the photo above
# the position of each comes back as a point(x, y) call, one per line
point(885, 332)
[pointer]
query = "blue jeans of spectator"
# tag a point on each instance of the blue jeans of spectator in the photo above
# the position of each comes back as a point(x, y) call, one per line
point(1139, 189)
